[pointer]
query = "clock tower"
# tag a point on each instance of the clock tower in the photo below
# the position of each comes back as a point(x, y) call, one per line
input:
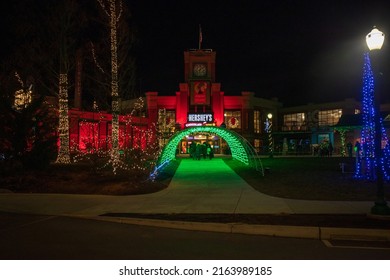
point(199, 64)
point(199, 73)
point(199, 95)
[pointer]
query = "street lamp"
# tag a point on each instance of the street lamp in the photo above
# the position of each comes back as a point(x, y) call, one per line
point(268, 128)
point(375, 40)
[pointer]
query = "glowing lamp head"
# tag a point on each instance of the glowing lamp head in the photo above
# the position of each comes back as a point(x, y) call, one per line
point(375, 39)
point(269, 116)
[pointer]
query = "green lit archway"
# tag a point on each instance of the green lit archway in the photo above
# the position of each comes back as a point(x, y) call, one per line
point(240, 148)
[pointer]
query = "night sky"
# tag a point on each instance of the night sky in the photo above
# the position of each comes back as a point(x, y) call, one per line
point(297, 51)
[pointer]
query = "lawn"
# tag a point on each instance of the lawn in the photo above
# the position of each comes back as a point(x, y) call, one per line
point(84, 178)
point(312, 178)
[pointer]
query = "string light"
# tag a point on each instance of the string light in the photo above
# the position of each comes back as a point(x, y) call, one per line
point(114, 17)
point(23, 97)
point(343, 145)
point(141, 154)
point(240, 148)
point(94, 58)
point(268, 130)
point(365, 169)
point(63, 121)
point(137, 148)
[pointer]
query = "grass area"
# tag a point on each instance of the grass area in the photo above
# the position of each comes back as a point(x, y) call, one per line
point(311, 178)
point(85, 178)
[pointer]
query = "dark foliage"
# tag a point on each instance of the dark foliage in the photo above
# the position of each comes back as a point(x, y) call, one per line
point(27, 135)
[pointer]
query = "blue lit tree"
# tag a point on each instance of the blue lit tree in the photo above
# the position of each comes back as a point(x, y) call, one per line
point(368, 161)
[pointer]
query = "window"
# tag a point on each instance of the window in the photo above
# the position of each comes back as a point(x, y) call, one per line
point(293, 121)
point(233, 119)
point(257, 145)
point(256, 121)
point(88, 136)
point(166, 120)
point(329, 117)
point(166, 125)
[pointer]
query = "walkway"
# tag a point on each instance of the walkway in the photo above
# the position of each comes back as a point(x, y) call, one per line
point(205, 186)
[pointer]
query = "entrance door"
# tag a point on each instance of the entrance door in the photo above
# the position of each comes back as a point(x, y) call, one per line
point(213, 140)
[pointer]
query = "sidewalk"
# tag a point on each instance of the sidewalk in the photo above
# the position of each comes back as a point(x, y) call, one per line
point(205, 186)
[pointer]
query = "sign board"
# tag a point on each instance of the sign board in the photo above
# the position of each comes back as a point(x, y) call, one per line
point(200, 117)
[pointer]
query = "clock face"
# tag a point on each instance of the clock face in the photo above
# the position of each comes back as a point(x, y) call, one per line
point(200, 70)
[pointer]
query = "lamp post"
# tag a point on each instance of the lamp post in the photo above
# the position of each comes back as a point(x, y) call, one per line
point(375, 40)
point(269, 131)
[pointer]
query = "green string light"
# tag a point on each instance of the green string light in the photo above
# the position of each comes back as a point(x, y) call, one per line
point(240, 148)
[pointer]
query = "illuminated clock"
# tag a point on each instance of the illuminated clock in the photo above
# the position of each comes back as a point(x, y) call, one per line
point(200, 70)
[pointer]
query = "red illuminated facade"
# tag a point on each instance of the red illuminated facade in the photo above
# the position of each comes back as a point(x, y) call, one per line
point(91, 131)
point(200, 101)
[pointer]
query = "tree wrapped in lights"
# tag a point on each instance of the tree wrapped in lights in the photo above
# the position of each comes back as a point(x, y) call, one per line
point(68, 12)
point(343, 144)
point(369, 162)
point(63, 120)
point(114, 18)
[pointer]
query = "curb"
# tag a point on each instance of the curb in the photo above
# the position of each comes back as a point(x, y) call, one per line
point(320, 233)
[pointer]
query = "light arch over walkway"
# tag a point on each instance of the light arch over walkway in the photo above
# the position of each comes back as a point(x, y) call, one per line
point(240, 148)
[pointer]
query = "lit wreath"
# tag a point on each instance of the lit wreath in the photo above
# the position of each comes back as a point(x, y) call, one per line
point(233, 122)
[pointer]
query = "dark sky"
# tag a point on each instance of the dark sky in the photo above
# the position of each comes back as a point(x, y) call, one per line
point(297, 51)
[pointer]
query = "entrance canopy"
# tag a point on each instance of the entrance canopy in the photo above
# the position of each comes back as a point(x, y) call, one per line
point(240, 148)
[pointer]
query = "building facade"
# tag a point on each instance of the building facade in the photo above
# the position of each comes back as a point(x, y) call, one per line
point(199, 101)
point(305, 129)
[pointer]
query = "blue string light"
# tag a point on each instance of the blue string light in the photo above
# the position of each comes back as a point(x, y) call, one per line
point(369, 162)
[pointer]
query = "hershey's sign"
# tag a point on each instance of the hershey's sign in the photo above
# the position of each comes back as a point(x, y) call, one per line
point(201, 117)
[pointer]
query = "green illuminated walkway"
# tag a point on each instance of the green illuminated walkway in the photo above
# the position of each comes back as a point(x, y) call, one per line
point(206, 174)
point(211, 186)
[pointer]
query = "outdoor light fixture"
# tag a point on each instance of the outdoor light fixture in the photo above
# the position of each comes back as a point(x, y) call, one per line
point(375, 39)
point(269, 116)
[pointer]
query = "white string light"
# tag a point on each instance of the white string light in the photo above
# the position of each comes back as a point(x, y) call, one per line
point(112, 14)
point(63, 121)
point(23, 97)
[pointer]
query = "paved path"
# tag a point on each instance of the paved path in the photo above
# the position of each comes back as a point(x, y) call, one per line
point(198, 187)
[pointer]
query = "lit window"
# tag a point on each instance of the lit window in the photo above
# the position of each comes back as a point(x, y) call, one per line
point(257, 145)
point(88, 136)
point(329, 117)
point(256, 121)
point(166, 120)
point(294, 121)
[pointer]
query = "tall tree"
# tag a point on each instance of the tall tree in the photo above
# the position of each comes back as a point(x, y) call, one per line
point(114, 11)
point(65, 43)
